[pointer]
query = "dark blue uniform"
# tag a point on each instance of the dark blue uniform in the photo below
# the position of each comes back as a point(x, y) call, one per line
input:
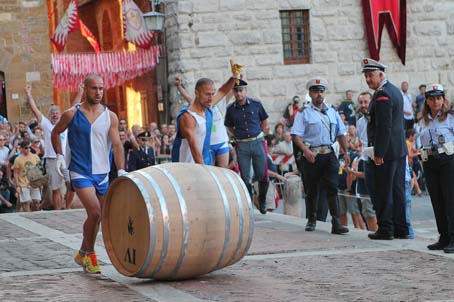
point(250, 145)
point(139, 159)
point(385, 131)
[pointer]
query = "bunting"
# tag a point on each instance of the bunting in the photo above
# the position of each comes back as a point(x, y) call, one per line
point(393, 14)
point(69, 70)
point(69, 23)
point(134, 25)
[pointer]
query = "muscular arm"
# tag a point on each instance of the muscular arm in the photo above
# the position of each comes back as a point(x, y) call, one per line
point(224, 90)
point(188, 131)
point(184, 94)
point(117, 146)
point(32, 103)
point(80, 93)
point(61, 126)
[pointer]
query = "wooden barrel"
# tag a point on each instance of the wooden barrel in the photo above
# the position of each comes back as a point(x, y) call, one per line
point(176, 221)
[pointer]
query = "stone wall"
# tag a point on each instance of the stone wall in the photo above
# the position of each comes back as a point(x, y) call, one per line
point(24, 54)
point(202, 35)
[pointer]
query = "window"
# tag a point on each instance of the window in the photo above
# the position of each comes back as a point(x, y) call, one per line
point(296, 36)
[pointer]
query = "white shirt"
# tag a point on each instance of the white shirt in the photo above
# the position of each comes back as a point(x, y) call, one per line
point(408, 106)
point(47, 127)
point(185, 150)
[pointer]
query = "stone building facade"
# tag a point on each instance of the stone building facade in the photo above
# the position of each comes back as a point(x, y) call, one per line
point(24, 56)
point(202, 35)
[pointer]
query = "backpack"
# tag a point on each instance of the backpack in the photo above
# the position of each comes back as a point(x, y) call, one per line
point(36, 175)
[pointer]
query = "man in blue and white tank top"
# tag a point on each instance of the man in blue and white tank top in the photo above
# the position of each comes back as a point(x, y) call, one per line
point(92, 136)
point(219, 139)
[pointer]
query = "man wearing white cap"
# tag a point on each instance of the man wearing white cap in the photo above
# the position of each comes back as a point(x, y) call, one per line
point(385, 132)
point(314, 131)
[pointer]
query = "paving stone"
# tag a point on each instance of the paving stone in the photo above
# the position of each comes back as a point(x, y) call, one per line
point(34, 254)
point(66, 287)
point(272, 237)
point(69, 222)
point(375, 276)
point(10, 231)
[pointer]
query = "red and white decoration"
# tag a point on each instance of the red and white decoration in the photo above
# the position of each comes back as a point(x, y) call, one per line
point(71, 22)
point(393, 14)
point(134, 25)
point(282, 159)
point(69, 70)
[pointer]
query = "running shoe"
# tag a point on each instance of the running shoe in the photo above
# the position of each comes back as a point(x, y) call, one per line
point(91, 264)
point(79, 259)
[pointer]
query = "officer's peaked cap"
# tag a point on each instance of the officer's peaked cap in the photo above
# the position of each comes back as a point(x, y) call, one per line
point(240, 83)
point(317, 83)
point(372, 65)
point(435, 90)
point(145, 134)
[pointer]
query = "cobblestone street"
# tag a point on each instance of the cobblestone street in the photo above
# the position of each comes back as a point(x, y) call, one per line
point(284, 264)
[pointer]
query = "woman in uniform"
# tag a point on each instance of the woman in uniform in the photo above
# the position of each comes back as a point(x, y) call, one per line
point(437, 137)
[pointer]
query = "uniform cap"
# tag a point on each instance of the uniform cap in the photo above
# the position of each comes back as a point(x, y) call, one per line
point(434, 90)
point(317, 83)
point(144, 135)
point(372, 65)
point(240, 83)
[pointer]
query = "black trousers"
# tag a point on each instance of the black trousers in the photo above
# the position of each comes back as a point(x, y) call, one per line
point(389, 196)
point(324, 172)
point(440, 184)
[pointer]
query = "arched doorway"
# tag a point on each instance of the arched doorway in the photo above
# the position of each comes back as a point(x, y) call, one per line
point(3, 111)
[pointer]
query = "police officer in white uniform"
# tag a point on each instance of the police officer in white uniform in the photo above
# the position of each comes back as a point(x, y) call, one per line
point(437, 154)
point(315, 129)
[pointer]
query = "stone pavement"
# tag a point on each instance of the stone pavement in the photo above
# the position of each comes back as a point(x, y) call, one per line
point(285, 263)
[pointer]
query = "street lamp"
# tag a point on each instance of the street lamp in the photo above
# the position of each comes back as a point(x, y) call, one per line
point(154, 21)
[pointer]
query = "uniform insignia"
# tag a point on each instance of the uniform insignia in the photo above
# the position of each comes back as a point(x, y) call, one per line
point(366, 61)
point(382, 98)
point(317, 81)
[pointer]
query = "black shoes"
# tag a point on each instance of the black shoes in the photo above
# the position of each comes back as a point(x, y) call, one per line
point(262, 208)
point(380, 236)
point(401, 236)
point(437, 246)
point(450, 248)
point(339, 230)
point(310, 226)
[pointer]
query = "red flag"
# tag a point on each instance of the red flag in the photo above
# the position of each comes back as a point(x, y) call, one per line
point(134, 25)
point(393, 13)
point(86, 33)
point(69, 23)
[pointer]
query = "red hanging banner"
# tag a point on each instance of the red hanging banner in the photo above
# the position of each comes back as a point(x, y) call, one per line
point(393, 13)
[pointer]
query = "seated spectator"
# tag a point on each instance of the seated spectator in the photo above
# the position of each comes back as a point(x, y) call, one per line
point(279, 132)
point(285, 148)
point(6, 206)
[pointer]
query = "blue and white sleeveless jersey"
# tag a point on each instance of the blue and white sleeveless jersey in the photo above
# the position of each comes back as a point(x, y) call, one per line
point(90, 144)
